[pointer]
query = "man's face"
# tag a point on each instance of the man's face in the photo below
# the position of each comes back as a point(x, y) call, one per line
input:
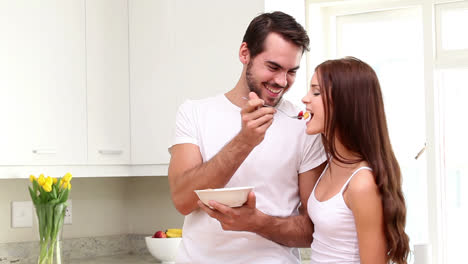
point(271, 73)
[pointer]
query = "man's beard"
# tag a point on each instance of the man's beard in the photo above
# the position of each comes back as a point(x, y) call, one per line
point(258, 90)
point(250, 81)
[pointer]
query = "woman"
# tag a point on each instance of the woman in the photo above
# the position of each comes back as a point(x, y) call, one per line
point(357, 205)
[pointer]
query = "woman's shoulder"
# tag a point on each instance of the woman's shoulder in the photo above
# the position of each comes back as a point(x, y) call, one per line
point(362, 187)
point(362, 180)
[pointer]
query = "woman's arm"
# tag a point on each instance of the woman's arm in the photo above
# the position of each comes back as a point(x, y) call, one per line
point(363, 198)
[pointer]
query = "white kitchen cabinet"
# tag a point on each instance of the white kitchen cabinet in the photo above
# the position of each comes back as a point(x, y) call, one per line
point(179, 50)
point(42, 82)
point(98, 82)
point(107, 82)
point(153, 79)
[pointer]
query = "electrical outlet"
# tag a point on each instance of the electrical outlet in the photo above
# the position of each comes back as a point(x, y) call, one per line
point(68, 213)
point(21, 214)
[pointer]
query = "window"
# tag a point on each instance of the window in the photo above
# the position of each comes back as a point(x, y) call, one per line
point(391, 42)
point(419, 50)
point(449, 18)
point(455, 169)
point(451, 71)
point(399, 66)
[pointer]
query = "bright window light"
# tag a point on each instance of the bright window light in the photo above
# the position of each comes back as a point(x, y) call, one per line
point(451, 21)
point(453, 91)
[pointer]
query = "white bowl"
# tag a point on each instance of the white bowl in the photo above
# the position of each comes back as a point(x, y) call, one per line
point(232, 197)
point(163, 249)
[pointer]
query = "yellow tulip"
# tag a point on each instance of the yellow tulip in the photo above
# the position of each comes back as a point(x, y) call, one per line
point(47, 187)
point(41, 180)
point(55, 180)
point(66, 185)
point(32, 178)
point(67, 177)
point(49, 180)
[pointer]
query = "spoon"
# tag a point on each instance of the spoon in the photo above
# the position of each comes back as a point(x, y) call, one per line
point(299, 116)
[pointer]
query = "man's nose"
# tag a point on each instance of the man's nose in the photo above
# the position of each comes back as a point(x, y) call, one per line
point(282, 80)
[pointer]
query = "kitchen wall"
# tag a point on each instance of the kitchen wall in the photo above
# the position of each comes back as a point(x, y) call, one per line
point(101, 207)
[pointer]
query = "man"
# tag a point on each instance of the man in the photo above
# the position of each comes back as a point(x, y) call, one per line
point(232, 140)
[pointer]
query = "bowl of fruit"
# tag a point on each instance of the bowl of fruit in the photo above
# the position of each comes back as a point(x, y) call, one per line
point(163, 245)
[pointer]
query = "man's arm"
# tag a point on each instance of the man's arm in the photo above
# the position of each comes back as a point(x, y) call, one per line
point(293, 231)
point(188, 172)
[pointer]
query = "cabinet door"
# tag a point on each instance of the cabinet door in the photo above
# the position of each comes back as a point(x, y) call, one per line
point(153, 81)
point(180, 50)
point(107, 82)
point(42, 82)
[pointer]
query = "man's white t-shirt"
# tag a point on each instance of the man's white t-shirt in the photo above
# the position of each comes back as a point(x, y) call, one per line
point(272, 168)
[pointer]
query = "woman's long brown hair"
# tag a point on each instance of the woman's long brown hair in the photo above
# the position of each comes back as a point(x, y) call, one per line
point(355, 115)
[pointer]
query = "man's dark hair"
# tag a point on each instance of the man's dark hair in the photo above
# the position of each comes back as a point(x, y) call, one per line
point(277, 22)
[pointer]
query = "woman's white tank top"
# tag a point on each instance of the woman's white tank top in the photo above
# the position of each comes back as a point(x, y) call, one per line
point(335, 237)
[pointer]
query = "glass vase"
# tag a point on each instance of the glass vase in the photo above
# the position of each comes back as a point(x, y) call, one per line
point(50, 221)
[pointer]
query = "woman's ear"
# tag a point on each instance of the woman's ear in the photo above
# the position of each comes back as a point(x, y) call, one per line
point(244, 53)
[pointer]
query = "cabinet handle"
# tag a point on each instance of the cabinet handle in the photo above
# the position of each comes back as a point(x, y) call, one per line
point(110, 152)
point(44, 151)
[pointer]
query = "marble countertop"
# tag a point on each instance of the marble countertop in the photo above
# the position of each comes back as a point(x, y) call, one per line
point(117, 259)
point(125, 259)
point(115, 249)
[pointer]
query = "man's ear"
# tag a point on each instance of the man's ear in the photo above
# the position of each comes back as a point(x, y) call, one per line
point(244, 53)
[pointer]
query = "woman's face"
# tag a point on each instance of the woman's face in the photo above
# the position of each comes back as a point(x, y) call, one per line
point(314, 104)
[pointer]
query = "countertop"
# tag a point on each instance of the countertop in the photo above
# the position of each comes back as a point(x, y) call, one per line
point(117, 259)
point(115, 249)
point(126, 259)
